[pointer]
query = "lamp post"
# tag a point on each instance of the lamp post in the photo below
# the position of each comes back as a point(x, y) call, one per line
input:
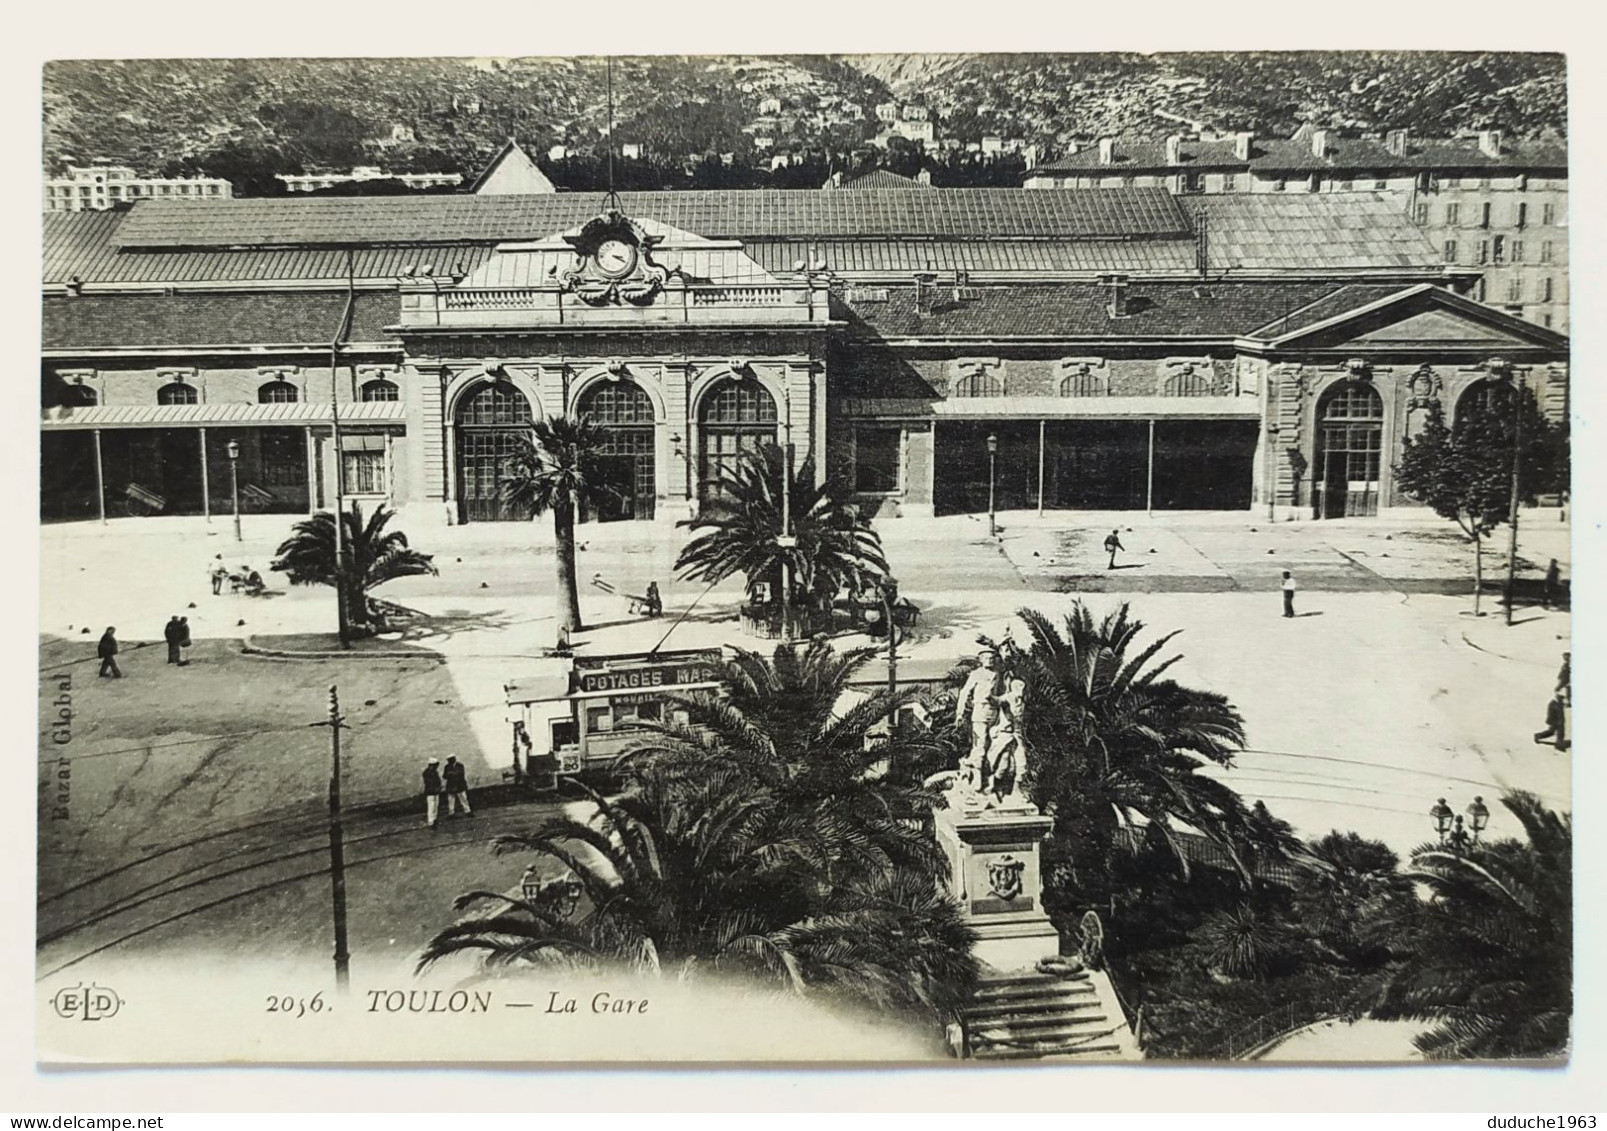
point(993, 463)
point(1442, 818)
point(234, 484)
point(1478, 817)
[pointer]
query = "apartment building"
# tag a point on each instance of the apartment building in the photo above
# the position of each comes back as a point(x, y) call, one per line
point(97, 187)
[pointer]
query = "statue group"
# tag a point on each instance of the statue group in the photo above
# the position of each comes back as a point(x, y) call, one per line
point(995, 765)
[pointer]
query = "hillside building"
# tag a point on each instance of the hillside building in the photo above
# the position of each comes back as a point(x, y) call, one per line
point(1098, 348)
point(97, 187)
point(312, 182)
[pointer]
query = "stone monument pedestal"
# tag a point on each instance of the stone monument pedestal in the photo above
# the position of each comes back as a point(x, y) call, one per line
point(995, 875)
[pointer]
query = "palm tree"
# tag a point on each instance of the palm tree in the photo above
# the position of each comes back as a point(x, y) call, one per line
point(787, 724)
point(832, 545)
point(372, 556)
point(1489, 954)
point(693, 872)
point(558, 469)
point(1349, 887)
point(1111, 741)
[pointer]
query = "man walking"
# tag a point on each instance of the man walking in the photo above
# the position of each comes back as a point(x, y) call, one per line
point(432, 793)
point(218, 573)
point(107, 651)
point(457, 787)
point(173, 632)
point(1288, 594)
point(184, 641)
point(1557, 710)
point(1112, 544)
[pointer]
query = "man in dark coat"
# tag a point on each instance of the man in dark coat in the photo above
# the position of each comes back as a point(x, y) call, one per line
point(107, 651)
point(173, 632)
point(456, 780)
point(432, 793)
point(1112, 544)
point(184, 639)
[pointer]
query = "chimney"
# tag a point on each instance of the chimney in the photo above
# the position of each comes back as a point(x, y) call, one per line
point(1319, 143)
point(1107, 150)
point(1174, 150)
point(1116, 290)
point(924, 177)
point(1072, 149)
point(1490, 143)
point(75, 287)
point(1396, 142)
point(837, 179)
point(1242, 144)
point(925, 286)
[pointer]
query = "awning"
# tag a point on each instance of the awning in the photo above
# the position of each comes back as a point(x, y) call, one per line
point(221, 415)
point(1054, 408)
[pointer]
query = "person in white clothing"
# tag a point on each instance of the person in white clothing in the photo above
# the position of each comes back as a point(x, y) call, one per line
point(1288, 594)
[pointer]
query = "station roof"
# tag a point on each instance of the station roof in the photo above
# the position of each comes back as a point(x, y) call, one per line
point(199, 319)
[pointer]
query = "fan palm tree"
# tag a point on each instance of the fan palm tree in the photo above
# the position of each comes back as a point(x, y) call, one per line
point(1349, 887)
point(739, 531)
point(1113, 741)
point(557, 469)
point(787, 724)
point(372, 556)
point(691, 872)
point(1489, 955)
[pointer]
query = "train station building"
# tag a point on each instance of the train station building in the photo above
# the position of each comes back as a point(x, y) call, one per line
point(1079, 349)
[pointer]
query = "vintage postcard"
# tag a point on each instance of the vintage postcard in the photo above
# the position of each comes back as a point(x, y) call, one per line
point(803, 558)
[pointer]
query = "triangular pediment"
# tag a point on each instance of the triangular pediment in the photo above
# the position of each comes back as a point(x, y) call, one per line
point(1420, 317)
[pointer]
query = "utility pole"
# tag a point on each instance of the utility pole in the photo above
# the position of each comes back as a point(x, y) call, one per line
point(342, 613)
point(892, 660)
point(337, 844)
point(786, 542)
point(1512, 512)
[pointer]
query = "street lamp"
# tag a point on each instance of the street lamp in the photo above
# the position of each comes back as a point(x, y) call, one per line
point(1442, 818)
point(234, 483)
point(1478, 817)
point(993, 460)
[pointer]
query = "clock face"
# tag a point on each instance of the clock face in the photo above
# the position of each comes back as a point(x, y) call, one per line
point(615, 257)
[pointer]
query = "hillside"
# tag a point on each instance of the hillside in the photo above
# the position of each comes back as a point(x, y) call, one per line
point(723, 120)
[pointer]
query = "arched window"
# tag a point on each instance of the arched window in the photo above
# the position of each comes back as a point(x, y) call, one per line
point(493, 420)
point(81, 396)
point(1350, 439)
point(494, 404)
point(1186, 382)
point(735, 417)
point(624, 412)
point(979, 384)
point(379, 390)
point(1491, 396)
point(1083, 383)
point(278, 392)
point(177, 393)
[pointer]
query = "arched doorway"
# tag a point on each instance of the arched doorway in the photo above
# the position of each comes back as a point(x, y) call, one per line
point(624, 412)
point(735, 417)
point(491, 420)
point(1350, 445)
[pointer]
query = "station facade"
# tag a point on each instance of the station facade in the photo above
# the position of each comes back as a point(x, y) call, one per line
point(1074, 350)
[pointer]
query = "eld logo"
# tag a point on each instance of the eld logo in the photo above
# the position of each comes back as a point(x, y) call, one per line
point(86, 1003)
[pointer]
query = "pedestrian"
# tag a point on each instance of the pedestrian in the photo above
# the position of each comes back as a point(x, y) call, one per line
point(184, 641)
point(456, 780)
point(1551, 590)
point(1557, 711)
point(432, 793)
point(218, 573)
point(1113, 543)
point(654, 602)
point(1288, 594)
point(172, 632)
point(107, 651)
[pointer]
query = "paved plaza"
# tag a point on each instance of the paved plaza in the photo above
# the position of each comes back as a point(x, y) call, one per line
point(1384, 694)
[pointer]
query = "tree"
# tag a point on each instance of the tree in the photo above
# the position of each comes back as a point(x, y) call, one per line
point(558, 468)
point(1349, 888)
point(833, 545)
point(1489, 954)
point(710, 871)
point(1110, 740)
point(1464, 473)
point(372, 557)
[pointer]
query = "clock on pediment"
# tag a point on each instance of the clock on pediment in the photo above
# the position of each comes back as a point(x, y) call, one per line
point(614, 262)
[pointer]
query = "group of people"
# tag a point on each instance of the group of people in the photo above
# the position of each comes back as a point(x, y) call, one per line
point(994, 703)
point(245, 576)
point(450, 781)
point(177, 634)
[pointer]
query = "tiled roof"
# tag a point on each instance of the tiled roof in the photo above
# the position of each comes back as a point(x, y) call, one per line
point(160, 416)
point(903, 257)
point(880, 178)
point(1073, 310)
point(1312, 231)
point(307, 318)
point(1328, 306)
point(1343, 153)
point(975, 213)
point(85, 244)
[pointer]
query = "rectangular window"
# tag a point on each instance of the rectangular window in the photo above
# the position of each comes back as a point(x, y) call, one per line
point(1484, 215)
point(1420, 214)
point(1545, 320)
point(1316, 182)
point(1230, 182)
point(876, 459)
point(1453, 214)
point(1517, 251)
point(365, 472)
point(1450, 251)
point(1523, 214)
point(1548, 213)
point(1279, 185)
point(1515, 288)
point(1478, 290)
point(1346, 186)
point(1380, 184)
point(1545, 290)
point(1545, 251)
point(1452, 182)
point(1484, 251)
point(1500, 249)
